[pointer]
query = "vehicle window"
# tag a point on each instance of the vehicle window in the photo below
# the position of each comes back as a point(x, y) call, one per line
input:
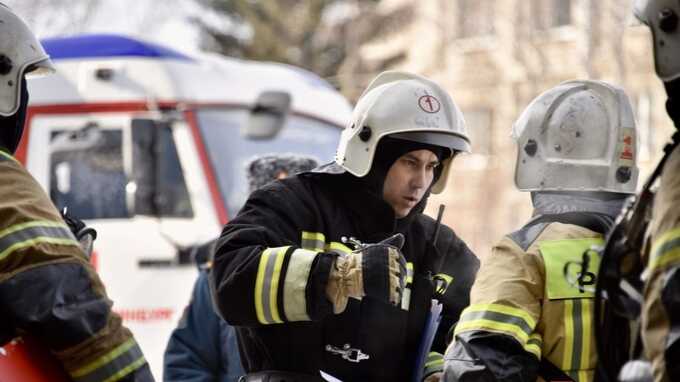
point(87, 174)
point(171, 194)
point(230, 152)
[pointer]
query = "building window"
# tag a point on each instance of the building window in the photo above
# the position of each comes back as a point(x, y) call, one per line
point(475, 18)
point(551, 13)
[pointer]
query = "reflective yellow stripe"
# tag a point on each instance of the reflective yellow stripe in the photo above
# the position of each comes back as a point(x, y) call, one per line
point(587, 323)
point(122, 373)
point(313, 241)
point(441, 287)
point(409, 273)
point(24, 235)
point(568, 334)
point(106, 358)
point(35, 223)
point(264, 258)
point(505, 309)
point(534, 345)
point(433, 364)
point(29, 243)
point(338, 248)
point(273, 300)
point(666, 250)
point(493, 326)
point(267, 285)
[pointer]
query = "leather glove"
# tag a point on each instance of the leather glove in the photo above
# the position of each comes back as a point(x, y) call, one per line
point(374, 270)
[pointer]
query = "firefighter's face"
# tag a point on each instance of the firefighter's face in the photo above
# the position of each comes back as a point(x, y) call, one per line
point(408, 179)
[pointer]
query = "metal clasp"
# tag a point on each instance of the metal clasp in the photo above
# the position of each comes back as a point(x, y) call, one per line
point(348, 353)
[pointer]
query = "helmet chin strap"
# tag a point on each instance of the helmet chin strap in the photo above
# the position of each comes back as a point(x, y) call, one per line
point(12, 127)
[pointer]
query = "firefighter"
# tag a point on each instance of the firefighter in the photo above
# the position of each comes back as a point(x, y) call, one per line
point(661, 307)
point(203, 347)
point(334, 270)
point(531, 307)
point(48, 290)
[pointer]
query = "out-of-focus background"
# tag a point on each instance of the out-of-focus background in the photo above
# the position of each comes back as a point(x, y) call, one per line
point(112, 94)
point(493, 56)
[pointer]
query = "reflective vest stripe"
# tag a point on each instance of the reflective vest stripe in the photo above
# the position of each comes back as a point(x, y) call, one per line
point(295, 285)
point(113, 365)
point(577, 337)
point(666, 250)
point(27, 234)
point(266, 304)
point(503, 309)
point(338, 248)
point(313, 241)
point(588, 342)
point(534, 345)
point(497, 318)
point(433, 364)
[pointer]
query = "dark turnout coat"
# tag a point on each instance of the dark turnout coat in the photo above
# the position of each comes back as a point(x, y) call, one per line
point(272, 264)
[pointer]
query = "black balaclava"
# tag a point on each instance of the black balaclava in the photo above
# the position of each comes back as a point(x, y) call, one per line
point(388, 151)
point(12, 127)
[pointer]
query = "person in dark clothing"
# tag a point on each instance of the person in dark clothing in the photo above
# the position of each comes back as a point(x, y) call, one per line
point(203, 347)
point(48, 290)
point(334, 270)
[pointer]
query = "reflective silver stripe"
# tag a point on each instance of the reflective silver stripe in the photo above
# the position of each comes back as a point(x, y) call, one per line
point(313, 241)
point(270, 285)
point(112, 366)
point(26, 234)
point(295, 285)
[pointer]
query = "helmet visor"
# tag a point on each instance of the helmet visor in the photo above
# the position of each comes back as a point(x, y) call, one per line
point(451, 141)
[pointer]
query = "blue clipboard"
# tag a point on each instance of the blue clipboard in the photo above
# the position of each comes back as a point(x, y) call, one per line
point(431, 326)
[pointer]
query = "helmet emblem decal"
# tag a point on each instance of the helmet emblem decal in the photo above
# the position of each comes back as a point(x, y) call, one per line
point(627, 152)
point(429, 103)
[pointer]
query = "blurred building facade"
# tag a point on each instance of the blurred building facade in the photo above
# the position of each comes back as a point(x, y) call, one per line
point(494, 56)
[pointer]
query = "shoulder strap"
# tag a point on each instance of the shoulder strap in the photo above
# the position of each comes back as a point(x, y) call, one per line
point(591, 220)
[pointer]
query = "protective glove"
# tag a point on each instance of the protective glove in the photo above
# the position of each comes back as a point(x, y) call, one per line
point(374, 270)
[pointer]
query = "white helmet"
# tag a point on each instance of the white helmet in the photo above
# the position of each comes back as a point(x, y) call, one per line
point(577, 136)
point(663, 18)
point(405, 106)
point(20, 53)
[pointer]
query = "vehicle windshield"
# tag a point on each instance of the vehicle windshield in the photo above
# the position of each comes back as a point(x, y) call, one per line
point(230, 152)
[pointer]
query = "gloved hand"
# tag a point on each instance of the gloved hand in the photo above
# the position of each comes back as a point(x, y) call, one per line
point(374, 270)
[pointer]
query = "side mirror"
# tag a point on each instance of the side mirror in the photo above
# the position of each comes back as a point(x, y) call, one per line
point(268, 115)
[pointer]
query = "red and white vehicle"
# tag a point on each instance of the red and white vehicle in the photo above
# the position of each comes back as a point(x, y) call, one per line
point(149, 146)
